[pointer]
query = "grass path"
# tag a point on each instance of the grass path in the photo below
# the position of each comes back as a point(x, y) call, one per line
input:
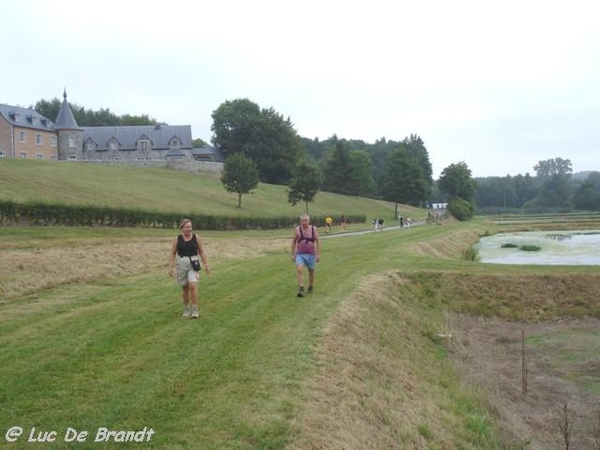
point(115, 353)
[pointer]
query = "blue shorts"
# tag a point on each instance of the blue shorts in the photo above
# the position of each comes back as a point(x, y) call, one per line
point(306, 259)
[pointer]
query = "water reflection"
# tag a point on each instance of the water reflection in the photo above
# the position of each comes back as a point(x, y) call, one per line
point(557, 248)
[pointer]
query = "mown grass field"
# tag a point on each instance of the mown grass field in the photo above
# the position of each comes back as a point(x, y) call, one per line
point(91, 336)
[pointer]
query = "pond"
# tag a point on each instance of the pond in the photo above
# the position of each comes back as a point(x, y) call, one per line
point(556, 248)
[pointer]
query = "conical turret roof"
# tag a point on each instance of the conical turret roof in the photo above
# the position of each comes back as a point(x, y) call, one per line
point(65, 119)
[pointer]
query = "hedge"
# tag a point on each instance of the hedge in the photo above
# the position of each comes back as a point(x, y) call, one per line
point(35, 213)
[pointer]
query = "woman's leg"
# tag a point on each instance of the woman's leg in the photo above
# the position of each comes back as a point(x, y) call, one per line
point(193, 298)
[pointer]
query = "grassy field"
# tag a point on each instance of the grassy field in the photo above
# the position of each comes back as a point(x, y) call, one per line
point(167, 190)
point(92, 337)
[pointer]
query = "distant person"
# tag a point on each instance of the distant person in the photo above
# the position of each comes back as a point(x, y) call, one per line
point(343, 222)
point(186, 252)
point(401, 220)
point(380, 223)
point(306, 252)
point(328, 222)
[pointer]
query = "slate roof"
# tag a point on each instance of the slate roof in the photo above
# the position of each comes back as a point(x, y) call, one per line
point(65, 119)
point(127, 136)
point(208, 151)
point(26, 118)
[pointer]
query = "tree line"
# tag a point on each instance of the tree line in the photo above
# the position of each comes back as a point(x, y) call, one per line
point(554, 188)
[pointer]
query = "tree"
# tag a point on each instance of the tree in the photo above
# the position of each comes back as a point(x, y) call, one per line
point(240, 175)
point(304, 184)
point(555, 177)
point(551, 167)
point(416, 148)
point(265, 136)
point(587, 196)
point(90, 118)
point(456, 181)
point(360, 173)
point(404, 180)
point(336, 169)
point(499, 192)
point(198, 143)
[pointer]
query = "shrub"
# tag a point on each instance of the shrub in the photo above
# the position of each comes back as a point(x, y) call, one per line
point(461, 208)
point(530, 248)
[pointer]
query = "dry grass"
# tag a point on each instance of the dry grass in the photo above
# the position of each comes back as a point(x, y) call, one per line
point(374, 385)
point(42, 265)
point(447, 247)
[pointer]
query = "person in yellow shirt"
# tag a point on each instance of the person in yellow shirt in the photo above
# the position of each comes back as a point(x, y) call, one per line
point(328, 222)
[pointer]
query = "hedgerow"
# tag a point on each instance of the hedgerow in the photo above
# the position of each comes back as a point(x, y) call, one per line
point(38, 213)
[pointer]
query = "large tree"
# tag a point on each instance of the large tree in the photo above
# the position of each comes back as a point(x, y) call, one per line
point(304, 184)
point(587, 196)
point(336, 169)
point(361, 174)
point(408, 173)
point(456, 181)
point(403, 183)
point(416, 148)
point(240, 175)
point(555, 183)
point(265, 136)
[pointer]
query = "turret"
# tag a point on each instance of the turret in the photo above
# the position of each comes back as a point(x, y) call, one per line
point(70, 135)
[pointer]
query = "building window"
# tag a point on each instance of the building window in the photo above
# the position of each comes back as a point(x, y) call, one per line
point(21, 136)
point(53, 141)
point(144, 145)
point(71, 141)
point(112, 145)
point(72, 158)
point(39, 139)
point(53, 158)
point(39, 156)
point(1, 153)
point(90, 146)
point(23, 155)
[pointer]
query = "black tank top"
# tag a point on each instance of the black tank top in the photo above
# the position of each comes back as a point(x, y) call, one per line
point(187, 248)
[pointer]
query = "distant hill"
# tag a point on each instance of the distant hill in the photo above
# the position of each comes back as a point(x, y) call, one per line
point(581, 176)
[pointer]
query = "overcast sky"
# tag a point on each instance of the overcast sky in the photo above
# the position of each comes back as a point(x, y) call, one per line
point(498, 85)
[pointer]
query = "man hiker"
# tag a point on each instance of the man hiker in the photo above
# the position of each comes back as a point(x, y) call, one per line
point(306, 252)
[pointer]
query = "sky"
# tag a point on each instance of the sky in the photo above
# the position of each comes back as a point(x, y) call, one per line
point(497, 85)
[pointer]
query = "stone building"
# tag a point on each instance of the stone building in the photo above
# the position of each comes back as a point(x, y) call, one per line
point(26, 134)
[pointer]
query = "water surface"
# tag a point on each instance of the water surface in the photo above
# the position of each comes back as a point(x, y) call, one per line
point(557, 248)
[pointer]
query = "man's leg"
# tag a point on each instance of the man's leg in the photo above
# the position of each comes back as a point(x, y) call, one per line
point(300, 279)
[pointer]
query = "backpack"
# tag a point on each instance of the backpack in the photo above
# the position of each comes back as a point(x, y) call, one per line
point(304, 238)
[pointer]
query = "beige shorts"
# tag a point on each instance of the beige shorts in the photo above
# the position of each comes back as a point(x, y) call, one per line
point(185, 274)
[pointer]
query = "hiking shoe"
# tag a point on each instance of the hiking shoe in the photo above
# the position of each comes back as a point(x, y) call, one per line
point(187, 311)
point(300, 294)
point(310, 290)
point(194, 312)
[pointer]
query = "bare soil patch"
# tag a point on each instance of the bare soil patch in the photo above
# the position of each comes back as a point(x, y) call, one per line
point(488, 353)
